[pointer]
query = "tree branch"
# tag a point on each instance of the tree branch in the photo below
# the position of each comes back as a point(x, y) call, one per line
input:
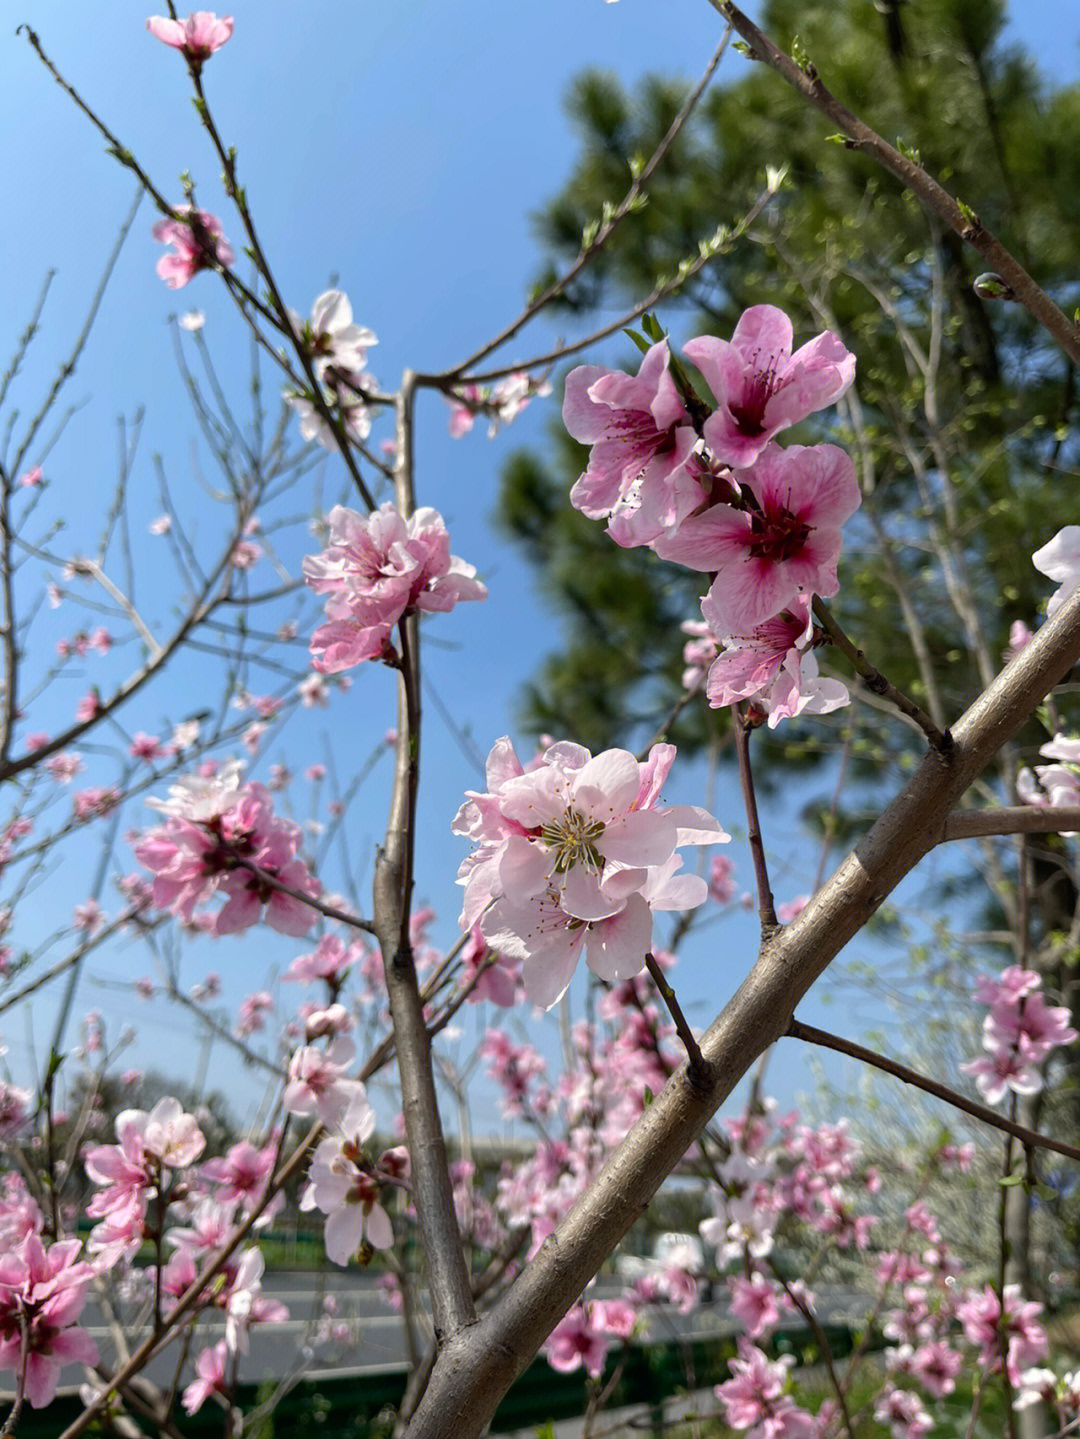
point(805, 79)
point(472, 1374)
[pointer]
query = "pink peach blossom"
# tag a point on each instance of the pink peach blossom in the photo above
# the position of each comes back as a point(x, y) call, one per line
point(761, 387)
point(197, 37)
point(198, 245)
point(785, 544)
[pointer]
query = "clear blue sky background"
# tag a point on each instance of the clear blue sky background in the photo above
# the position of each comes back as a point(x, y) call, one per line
point(401, 148)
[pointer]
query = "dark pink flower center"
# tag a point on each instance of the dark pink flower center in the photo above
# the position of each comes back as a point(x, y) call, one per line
point(761, 384)
point(777, 534)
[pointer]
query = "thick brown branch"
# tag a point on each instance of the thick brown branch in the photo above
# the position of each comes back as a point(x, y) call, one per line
point(1018, 819)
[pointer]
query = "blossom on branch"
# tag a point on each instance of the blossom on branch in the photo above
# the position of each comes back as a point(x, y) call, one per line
point(376, 569)
point(783, 543)
point(198, 242)
point(197, 37)
point(641, 437)
point(576, 852)
point(761, 387)
point(220, 836)
point(42, 1293)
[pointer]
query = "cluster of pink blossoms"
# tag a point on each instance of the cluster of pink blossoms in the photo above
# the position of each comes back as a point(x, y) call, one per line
point(1019, 1033)
point(43, 1291)
point(575, 851)
point(764, 520)
point(501, 404)
point(156, 1159)
point(372, 572)
point(216, 830)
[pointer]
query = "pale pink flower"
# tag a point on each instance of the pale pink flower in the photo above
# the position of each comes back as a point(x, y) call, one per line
point(901, 1410)
point(146, 747)
point(981, 1317)
point(89, 916)
point(373, 571)
point(754, 1303)
point(63, 767)
point(198, 244)
point(337, 347)
point(43, 1292)
point(722, 887)
point(773, 665)
point(792, 908)
point(342, 1185)
point(209, 1378)
point(250, 1014)
point(786, 545)
point(936, 1367)
point(317, 1082)
point(31, 478)
point(698, 652)
point(762, 388)
point(577, 1340)
point(197, 37)
point(641, 439)
point(1059, 560)
point(313, 691)
point(1019, 638)
point(161, 526)
point(245, 554)
point(329, 962)
point(753, 1397)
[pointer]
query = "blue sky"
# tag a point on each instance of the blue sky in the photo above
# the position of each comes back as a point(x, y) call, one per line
point(402, 150)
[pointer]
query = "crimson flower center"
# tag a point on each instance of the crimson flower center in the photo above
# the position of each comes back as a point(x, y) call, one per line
point(777, 534)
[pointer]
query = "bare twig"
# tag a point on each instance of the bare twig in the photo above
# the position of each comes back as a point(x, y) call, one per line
point(959, 217)
point(807, 1032)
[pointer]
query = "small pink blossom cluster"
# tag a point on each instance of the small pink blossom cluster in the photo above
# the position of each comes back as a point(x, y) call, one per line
point(582, 1338)
point(337, 349)
point(156, 1160)
point(754, 1398)
point(43, 1291)
point(1019, 1033)
point(1013, 1327)
point(502, 403)
point(763, 520)
point(221, 836)
point(198, 244)
point(346, 1186)
point(1055, 785)
point(130, 1172)
point(576, 852)
point(372, 572)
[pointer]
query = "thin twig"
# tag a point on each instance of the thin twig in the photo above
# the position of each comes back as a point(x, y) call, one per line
point(877, 683)
point(959, 217)
point(699, 1069)
point(631, 201)
point(797, 1030)
point(766, 907)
